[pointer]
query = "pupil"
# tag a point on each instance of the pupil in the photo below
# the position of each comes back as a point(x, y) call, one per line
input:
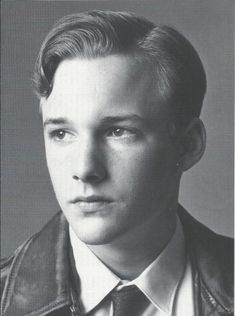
point(61, 134)
point(118, 131)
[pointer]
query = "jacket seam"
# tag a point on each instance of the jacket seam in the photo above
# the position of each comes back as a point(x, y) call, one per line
point(5, 262)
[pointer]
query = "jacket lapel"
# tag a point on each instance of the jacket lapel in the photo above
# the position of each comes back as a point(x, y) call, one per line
point(39, 278)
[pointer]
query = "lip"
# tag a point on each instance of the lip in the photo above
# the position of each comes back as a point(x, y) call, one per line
point(91, 199)
point(92, 204)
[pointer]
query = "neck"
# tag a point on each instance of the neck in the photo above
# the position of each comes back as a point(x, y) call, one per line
point(140, 246)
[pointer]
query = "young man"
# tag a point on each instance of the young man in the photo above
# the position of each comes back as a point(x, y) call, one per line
point(120, 100)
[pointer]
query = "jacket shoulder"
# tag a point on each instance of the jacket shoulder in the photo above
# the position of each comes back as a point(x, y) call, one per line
point(212, 256)
point(207, 243)
point(6, 265)
point(35, 279)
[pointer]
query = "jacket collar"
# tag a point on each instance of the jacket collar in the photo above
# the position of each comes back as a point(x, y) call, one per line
point(42, 270)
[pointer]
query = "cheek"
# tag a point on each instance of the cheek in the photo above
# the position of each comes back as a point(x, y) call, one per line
point(59, 169)
point(57, 158)
point(53, 161)
point(145, 170)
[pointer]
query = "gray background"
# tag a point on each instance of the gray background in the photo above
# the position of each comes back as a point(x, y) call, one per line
point(27, 197)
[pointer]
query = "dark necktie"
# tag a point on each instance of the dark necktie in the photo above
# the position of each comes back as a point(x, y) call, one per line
point(129, 301)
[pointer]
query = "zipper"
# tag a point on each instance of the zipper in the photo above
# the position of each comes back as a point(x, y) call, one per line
point(74, 310)
point(75, 306)
point(208, 297)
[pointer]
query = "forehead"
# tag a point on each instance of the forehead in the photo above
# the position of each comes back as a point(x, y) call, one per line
point(105, 84)
point(116, 72)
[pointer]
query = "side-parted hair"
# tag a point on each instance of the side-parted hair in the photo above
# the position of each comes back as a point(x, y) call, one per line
point(176, 66)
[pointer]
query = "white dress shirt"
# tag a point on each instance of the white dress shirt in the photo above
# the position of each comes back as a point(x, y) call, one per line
point(166, 282)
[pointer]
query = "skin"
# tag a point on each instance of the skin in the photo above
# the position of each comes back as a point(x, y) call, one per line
point(107, 137)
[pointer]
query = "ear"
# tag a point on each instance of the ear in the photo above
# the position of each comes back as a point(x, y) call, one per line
point(193, 144)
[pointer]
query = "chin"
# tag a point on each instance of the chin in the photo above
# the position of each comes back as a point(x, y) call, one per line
point(95, 233)
point(95, 237)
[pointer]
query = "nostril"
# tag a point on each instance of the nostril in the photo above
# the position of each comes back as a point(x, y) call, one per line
point(89, 178)
point(92, 178)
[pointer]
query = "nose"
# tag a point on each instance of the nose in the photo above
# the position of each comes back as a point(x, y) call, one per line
point(89, 164)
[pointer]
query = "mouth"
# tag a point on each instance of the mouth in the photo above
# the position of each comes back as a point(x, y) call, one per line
point(92, 204)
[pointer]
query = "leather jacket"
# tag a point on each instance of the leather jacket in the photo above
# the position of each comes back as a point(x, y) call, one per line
point(37, 278)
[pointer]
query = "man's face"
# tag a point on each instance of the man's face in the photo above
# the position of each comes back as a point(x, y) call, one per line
point(110, 156)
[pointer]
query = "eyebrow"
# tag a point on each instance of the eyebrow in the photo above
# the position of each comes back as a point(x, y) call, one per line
point(56, 121)
point(116, 119)
point(105, 120)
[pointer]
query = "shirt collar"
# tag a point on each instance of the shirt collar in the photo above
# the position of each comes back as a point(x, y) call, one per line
point(159, 281)
point(96, 280)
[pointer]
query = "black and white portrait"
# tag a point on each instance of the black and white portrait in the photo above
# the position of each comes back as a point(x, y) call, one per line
point(117, 158)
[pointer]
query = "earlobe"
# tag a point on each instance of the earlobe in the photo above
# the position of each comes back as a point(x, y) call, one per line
point(193, 144)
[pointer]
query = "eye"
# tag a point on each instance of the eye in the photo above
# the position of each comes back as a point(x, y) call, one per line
point(60, 135)
point(116, 132)
point(120, 132)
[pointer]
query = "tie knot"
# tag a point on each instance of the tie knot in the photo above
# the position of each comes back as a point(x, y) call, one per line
point(129, 301)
